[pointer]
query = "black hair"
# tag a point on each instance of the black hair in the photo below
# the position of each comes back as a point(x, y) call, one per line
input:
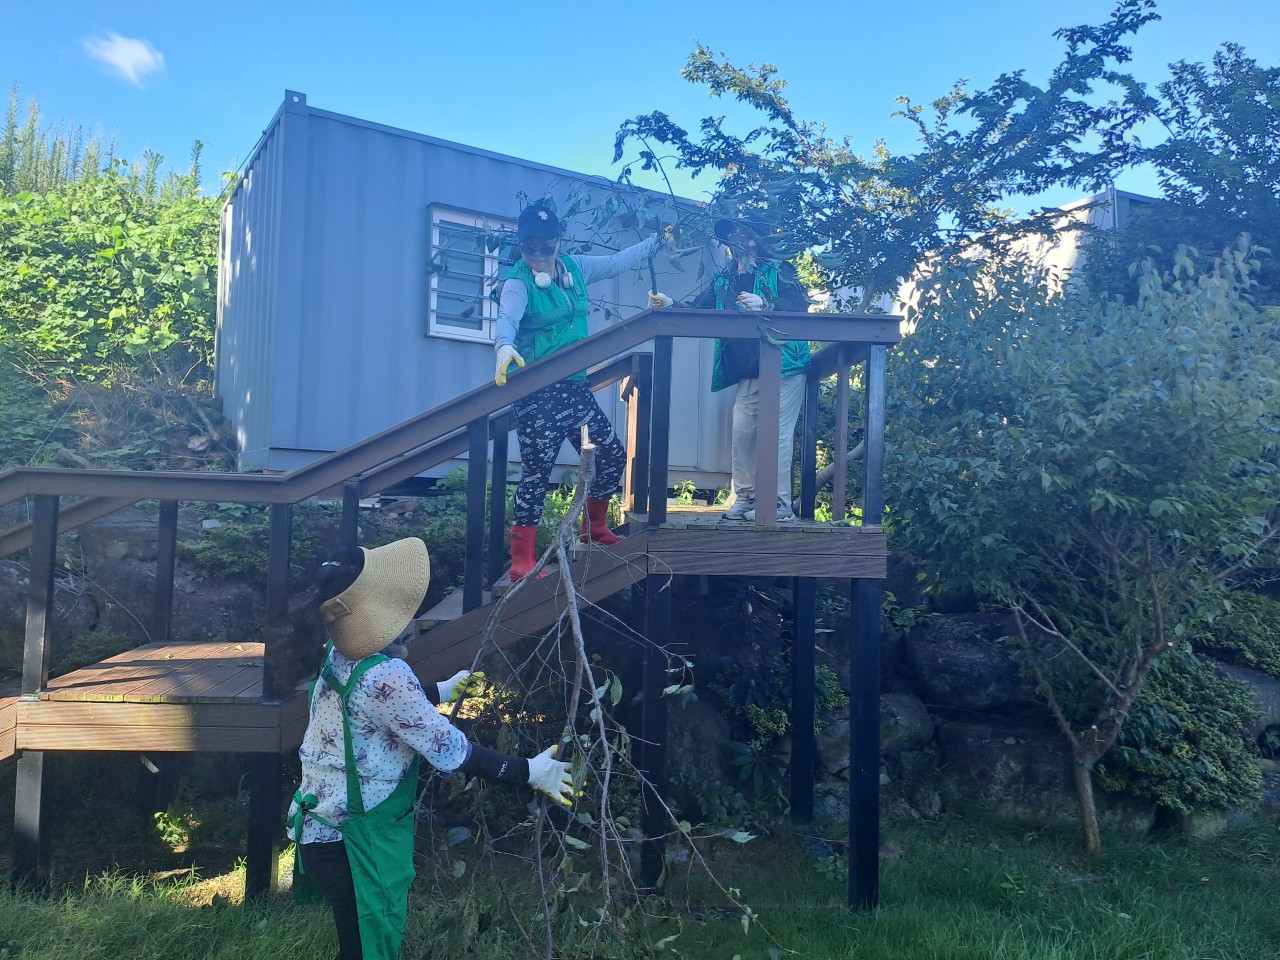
point(339, 568)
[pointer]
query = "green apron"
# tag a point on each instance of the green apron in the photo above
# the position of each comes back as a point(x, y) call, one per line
point(379, 842)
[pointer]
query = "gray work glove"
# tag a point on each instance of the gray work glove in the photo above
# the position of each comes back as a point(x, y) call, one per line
point(462, 683)
point(548, 775)
point(506, 355)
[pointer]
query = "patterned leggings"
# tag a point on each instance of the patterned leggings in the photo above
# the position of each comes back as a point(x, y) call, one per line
point(544, 420)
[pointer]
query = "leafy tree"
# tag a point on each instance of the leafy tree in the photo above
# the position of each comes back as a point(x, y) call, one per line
point(1218, 168)
point(1102, 469)
point(868, 219)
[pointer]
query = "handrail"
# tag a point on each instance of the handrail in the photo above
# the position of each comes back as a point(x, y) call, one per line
point(330, 472)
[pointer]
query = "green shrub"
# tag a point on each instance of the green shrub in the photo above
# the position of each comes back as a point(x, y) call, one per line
point(1186, 744)
point(1249, 635)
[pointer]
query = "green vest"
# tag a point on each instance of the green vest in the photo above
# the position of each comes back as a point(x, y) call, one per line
point(555, 317)
point(795, 353)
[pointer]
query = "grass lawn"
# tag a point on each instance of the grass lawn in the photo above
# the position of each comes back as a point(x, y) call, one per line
point(956, 890)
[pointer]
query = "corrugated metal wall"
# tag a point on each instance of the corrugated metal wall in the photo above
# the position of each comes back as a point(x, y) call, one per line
point(323, 290)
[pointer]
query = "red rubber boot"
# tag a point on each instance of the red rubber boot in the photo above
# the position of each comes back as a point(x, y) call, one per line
point(595, 524)
point(524, 552)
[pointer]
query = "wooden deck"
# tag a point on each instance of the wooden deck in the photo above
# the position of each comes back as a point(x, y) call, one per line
point(208, 696)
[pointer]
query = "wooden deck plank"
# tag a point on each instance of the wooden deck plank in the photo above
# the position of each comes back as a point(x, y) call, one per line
point(159, 672)
point(818, 565)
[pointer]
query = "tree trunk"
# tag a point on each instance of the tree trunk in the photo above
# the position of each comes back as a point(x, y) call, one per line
point(1083, 767)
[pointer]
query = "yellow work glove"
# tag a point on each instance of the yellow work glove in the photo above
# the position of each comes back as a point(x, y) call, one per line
point(659, 300)
point(462, 684)
point(750, 301)
point(548, 775)
point(506, 354)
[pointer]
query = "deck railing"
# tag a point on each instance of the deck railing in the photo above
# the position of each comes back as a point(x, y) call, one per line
point(472, 424)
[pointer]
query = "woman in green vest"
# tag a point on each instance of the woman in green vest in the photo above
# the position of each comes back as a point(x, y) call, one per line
point(370, 719)
point(542, 309)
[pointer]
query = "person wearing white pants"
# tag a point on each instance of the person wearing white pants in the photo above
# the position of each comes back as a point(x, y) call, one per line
point(753, 282)
point(746, 417)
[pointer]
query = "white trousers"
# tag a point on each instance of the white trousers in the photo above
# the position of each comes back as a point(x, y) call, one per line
point(746, 416)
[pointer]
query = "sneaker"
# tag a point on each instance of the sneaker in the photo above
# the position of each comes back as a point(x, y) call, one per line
point(784, 513)
point(741, 508)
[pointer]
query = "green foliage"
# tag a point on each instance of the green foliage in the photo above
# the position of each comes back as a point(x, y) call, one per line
point(239, 546)
point(95, 273)
point(768, 723)
point(1103, 468)
point(686, 491)
point(764, 768)
point(34, 158)
point(1219, 172)
point(1186, 744)
point(830, 695)
point(1248, 633)
point(713, 802)
point(1028, 435)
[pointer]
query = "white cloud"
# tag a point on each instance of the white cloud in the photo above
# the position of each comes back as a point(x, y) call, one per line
point(128, 57)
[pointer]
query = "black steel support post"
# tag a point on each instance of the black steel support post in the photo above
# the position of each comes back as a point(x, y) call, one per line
point(656, 594)
point(660, 431)
point(804, 744)
point(266, 812)
point(166, 563)
point(864, 698)
point(498, 497)
point(864, 748)
point(350, 528)
point(473, 562)
point(809, 450)
point(31, 842)
point(281, 668)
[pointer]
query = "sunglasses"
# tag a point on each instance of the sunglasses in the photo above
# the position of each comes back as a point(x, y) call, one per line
point(539, 248)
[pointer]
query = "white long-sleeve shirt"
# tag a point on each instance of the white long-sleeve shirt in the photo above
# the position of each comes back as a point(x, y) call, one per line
point(391, 720)
point(514, 299)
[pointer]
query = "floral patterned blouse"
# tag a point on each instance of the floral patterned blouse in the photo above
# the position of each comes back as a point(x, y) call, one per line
point(391, 719)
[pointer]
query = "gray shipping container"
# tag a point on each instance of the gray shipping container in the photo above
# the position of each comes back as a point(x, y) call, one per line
point(331, 327)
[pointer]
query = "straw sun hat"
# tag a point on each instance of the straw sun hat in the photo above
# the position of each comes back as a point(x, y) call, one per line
point(379, 604)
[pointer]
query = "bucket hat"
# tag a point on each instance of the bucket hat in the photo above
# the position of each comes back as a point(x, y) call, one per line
point(379, 604)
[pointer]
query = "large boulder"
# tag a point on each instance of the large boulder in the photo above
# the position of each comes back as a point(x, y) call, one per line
point(1022, 770)
point(1266, 695)
point(967, 663)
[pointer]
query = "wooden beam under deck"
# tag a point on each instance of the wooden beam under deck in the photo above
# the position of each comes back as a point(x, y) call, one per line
point(161, 727)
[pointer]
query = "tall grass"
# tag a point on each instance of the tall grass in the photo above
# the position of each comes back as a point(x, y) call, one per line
point(951, 891)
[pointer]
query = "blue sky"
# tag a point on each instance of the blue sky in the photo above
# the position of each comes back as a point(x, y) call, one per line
point(550, 82)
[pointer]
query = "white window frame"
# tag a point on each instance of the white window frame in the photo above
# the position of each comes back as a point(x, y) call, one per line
point(490, 277)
